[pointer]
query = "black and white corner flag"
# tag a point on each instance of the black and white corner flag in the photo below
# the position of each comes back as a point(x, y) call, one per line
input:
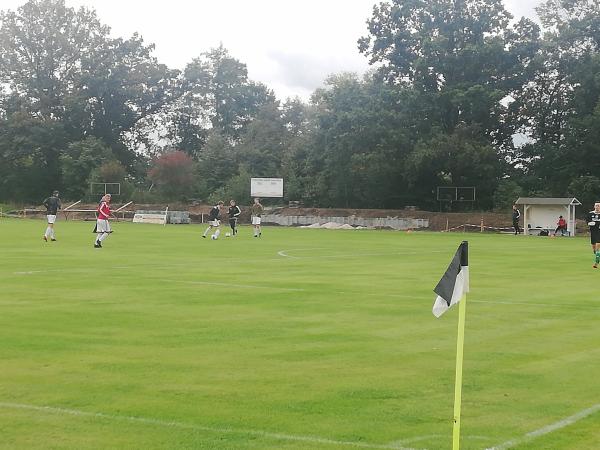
point(455, 282)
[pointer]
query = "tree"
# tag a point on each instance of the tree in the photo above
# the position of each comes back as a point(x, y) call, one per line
point(262, 145)
point(360, 142)
point(506, 194)
point(173, 173)
point(217, 163)
point(78, 162)
point(60, 64)
point(29, 155)
point(123, 84)
point(586, 189)
point(460, 159)
point(463, 56)
point(218, 93)
point(42, 47)
point(560, 105)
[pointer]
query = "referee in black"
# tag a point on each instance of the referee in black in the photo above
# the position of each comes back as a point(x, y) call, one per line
point(516, 215)
point(234, 212)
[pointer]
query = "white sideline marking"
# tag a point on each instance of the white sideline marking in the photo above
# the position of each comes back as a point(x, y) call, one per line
point(349, 255)
point(162, 265)
point(548, 428)
point(189, 426)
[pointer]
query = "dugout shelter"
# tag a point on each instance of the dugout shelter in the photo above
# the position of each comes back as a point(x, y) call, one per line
point(541, 214)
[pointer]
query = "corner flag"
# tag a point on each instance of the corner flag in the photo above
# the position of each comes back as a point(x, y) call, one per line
point(452, 289)
point(454, 283)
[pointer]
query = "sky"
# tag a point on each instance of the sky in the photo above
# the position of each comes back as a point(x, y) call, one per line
point(289, 45)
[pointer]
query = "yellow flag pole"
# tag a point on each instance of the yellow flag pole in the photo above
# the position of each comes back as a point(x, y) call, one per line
point(460, 340)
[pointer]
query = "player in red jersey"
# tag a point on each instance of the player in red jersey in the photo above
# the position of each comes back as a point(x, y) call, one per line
point(102, 225)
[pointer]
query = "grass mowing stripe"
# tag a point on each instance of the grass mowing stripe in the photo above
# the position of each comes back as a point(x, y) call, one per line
point(172, 424)
point(543, 305)
point(548, 428)
point(233, 285)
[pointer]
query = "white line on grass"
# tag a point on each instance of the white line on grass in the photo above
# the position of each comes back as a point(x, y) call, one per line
point(548, 428)
point(284, 253)
point(275, 288)
point(560, 305)
point(230, 285)
point(378, 294)
point(189, 426)
point(225, 260)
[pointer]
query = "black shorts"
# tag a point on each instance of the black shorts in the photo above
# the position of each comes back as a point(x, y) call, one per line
point(595, 237)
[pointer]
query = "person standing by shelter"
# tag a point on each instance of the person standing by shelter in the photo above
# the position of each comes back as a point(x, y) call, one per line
point(256, 211)
point(52, 204)
point(102, 225)
point(561, 226)
point(234, 212)
point(593, 219)
point(214, 220)
point(516, 215)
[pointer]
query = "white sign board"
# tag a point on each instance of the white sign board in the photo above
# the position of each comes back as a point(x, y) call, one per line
point(266, 187)
point(160, 219)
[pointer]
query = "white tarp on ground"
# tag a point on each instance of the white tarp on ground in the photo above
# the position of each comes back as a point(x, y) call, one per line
point(334, 226)
point(396, 223)
point(160, 219)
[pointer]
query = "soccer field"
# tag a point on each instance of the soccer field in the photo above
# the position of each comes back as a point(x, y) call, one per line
point(303, 339)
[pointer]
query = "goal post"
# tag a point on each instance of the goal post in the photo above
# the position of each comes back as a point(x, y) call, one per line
point(456, 194)
point(459, 195)
point(97, 188)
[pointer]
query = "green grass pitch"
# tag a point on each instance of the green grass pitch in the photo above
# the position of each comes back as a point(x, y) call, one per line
point(303, 339)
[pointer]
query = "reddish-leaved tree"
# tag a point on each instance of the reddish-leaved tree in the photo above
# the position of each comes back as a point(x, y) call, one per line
point(173, 173)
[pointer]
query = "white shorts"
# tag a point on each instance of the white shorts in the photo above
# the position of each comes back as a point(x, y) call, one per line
point(102, 226)
point(214, 223)
point(51, 218)
point(255, 220)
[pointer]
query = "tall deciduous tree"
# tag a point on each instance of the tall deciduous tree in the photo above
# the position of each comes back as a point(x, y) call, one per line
point(463, 54)
point(218, 92)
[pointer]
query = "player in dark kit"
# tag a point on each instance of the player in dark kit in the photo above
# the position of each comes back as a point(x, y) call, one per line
point(234, 212)
point(516, 215)
point(593, 219)
point(52, 205)
point(214, 220)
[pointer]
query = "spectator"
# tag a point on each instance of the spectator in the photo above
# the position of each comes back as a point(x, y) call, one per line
point(561, 226)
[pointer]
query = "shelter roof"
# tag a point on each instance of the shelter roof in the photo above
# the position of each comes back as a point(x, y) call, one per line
point(547, 201)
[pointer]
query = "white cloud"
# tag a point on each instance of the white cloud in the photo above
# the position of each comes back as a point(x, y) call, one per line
point(289, 45)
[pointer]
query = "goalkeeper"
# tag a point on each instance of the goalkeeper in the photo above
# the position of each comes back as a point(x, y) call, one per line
point(593, 219)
